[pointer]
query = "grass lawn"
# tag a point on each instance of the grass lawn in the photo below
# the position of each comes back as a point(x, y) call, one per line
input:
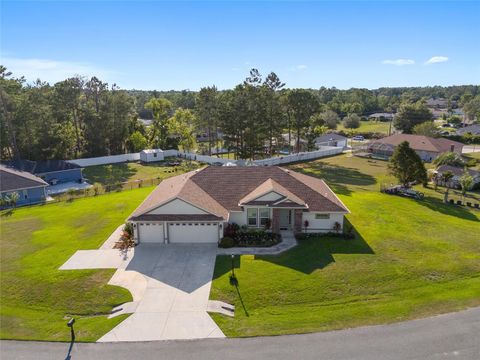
point(410, 259)
point(123, 172)
point(368, 126)
point(36, 297)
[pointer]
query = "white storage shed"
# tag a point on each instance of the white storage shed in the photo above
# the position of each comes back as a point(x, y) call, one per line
point(151, 155)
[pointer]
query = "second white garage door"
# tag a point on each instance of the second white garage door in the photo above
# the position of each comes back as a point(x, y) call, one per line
point(193, 232)
point(151, 233)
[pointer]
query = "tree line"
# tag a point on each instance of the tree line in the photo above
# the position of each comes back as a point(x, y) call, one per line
point(81, 117)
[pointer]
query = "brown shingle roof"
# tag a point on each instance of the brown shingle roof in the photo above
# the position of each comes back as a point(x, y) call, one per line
point(420, 142)
point(219, 190)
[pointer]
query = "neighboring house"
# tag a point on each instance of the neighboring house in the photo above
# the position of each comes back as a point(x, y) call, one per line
point(146, 122)
point(151, 155)
point(30, 188)
point(439, 103)
point(293, 141)
point(426, 147)
point(331, 140)
point(457, 174)
point(52, 171)
point(381, 116)
point(195, 207)
point(472, 129)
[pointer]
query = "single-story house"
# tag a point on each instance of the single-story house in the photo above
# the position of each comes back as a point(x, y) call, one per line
point(381, 116)
point(195, 207)
point(151, 155)
point(52, 171)
point(457, 172)
point(438, 103)
point(331, 139)
point(472, 129)
point(30, 188)
point(293, 141)
point(426, 147)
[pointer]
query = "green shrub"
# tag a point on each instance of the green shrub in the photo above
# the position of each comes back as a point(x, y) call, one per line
point(226, 242)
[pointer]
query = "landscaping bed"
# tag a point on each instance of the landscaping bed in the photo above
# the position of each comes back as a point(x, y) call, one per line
point(236, 236)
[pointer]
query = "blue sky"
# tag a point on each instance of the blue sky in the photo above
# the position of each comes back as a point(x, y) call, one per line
point(187, 45)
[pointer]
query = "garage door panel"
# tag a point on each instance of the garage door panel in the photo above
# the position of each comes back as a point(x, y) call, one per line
point(193, 233)
point(151, 233)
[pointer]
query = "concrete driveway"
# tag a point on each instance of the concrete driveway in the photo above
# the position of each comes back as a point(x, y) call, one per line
point(171, 303)
point(170, 286)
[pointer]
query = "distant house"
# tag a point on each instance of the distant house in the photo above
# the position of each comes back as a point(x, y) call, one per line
point(151, 155)
point(457, 172)
point(52, 171)
point(381, 116)
point(331, 140)
point(293, 141)
point(426, 147)
point(30, 188)
point(472, 129)
point(438, 103)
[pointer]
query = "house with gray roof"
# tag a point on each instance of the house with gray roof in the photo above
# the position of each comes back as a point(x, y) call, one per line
point(472, 129)
point(30, 188)
point(331, 139)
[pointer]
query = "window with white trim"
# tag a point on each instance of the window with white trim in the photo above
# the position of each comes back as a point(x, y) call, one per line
point(264, 216)
point(252, 217)
point(322, 216)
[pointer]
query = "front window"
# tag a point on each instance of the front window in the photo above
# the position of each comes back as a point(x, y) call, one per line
point(264, 216)
point(322, 216)
point(252, 217)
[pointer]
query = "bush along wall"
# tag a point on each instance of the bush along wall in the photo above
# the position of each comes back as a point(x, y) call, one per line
point(236, 236)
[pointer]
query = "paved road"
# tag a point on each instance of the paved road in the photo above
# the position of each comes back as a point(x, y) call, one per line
point(450, 336)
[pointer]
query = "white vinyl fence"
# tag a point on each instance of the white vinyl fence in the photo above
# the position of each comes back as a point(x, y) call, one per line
point(103, 160)
point(303, 156)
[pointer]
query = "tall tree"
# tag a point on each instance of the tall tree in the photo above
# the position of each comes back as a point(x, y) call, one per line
point(303, 104)
point(410, 115)
point(67, 97)
point(181, 125)
point(161, 109)
point(274, 117)
point(406, 165)
point(11, 93)
point(427, 128)
point(206, 108)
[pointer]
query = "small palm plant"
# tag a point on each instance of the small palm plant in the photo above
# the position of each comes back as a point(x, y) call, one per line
point(13, 198)
point(446, 177)
point(466, 182)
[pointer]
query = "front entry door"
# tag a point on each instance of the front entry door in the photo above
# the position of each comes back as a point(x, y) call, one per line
point(285, 219)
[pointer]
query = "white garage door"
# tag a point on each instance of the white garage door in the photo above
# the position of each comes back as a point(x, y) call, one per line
point(193, 232)
point(151, 233)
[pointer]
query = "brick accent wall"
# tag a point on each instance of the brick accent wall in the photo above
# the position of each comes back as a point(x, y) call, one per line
point(276, 220)
point(297, 224)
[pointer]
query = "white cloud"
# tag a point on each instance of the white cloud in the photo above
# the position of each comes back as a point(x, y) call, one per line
point(436, 60)
point(52, 71)
point(301, 67)
point(399, 62)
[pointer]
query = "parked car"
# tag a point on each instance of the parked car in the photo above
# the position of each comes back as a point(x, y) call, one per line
point(358, 138)
point(404, 191)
